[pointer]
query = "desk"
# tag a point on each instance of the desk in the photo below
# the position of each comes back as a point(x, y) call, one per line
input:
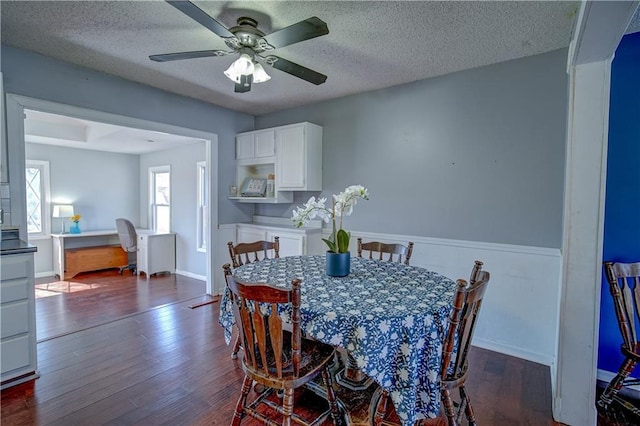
point(390, 317)
point(95, 250)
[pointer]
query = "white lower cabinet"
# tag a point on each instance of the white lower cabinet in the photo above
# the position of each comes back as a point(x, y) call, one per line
point(293, 242)
point(156, 252)
point(250, 234)
point(17, 319)
point(290, 244)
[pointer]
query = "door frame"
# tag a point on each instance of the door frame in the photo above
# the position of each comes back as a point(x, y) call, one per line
point(15, 106)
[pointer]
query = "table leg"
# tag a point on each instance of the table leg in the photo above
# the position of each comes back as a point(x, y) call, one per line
point(352, 377)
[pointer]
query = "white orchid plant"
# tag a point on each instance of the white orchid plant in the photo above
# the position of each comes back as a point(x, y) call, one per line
point(338, 241)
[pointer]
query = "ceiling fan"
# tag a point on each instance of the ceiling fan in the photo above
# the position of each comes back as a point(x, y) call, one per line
point(250, 43)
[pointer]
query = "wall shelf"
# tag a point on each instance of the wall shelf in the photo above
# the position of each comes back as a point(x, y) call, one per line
point(282, 197)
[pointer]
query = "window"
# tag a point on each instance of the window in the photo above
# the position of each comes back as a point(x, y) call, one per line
point(160, 198)
point(201, 220)
point(38, 194)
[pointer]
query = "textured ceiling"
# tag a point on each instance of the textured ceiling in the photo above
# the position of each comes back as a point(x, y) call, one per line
point(371, 45)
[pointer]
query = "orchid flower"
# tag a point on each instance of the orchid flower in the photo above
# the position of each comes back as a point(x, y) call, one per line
point(343, 204)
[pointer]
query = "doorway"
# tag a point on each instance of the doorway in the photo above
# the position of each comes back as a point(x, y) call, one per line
point(18, 106)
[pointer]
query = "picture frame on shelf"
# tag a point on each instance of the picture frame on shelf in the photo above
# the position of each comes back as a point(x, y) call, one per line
point(254, 187)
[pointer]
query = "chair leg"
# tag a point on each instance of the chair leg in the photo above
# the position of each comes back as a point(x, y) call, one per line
point(242, 401)
point(448, 407)
point(468, 409)
point(331, 396)
point(287, 407)
point(236, 348)
point(616, 384)
point(380, 407)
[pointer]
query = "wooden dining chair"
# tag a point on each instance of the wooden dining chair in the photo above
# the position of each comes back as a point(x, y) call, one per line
point(395, 252)
point(624, 285)
point(277, 359)
point(252, 252)
point(454, 365)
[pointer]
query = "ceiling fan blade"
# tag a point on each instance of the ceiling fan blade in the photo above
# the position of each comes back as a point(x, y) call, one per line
point(294, 69)
point(245, 84)
point(303, 30)
point(187, 55)
point(198, 15)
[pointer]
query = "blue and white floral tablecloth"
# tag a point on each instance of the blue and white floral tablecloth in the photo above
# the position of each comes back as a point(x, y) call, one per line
point(389, 316)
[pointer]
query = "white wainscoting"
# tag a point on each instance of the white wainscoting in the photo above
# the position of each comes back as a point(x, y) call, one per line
point(226, 233)
point(520, 310)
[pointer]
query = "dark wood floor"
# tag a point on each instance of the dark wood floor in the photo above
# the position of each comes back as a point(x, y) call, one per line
point(170, 365)
point(95, 298)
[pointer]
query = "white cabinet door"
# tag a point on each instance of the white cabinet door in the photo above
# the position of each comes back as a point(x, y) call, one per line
point(265, 143)
point(249, 235)
point(290, 244)
point(255, 144)
point(244, 146)
point(291, 162)
point(17, 320)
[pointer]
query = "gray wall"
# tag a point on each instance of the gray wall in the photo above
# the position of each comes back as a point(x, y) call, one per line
point(40, 77)
point(475, 155)
point(101, 186)
point(184, 187)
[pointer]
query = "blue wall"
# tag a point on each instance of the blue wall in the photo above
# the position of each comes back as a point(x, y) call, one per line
point(622, 206)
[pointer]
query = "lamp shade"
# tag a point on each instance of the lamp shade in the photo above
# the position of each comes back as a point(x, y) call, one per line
point(259, 74)
point(63, 210)
point(241, 66)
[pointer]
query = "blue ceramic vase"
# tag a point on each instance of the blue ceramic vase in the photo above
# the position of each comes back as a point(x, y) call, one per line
point(75, 228)
point(338, 264)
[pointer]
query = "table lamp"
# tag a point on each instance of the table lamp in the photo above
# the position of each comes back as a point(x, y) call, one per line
point(63, 210)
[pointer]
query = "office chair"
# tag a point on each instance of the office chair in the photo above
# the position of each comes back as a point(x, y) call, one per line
point(129, 243)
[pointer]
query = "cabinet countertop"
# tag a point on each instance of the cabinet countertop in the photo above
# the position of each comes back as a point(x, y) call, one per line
point(16, 246)
point(287, 228)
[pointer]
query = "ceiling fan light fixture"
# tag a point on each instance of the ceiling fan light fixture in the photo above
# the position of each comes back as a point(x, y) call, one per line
point(259, 74)
point(241, 66)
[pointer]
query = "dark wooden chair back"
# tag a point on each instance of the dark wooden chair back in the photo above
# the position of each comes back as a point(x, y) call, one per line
point(253, 252)
point(274, 355)
point(261, 328)
point(392, 252)
point(624, 285)
point(464, 312)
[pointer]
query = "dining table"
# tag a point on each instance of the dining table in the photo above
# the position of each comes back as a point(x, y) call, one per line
point(390, 317)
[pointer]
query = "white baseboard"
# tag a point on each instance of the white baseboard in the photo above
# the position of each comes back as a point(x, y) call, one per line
point(191, 275)
point(44, 274)
point(506, 349)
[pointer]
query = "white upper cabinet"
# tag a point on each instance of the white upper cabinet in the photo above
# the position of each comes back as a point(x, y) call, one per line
point(292, 154)
point(256, 144)
point(299, 157)
point(265, 143)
